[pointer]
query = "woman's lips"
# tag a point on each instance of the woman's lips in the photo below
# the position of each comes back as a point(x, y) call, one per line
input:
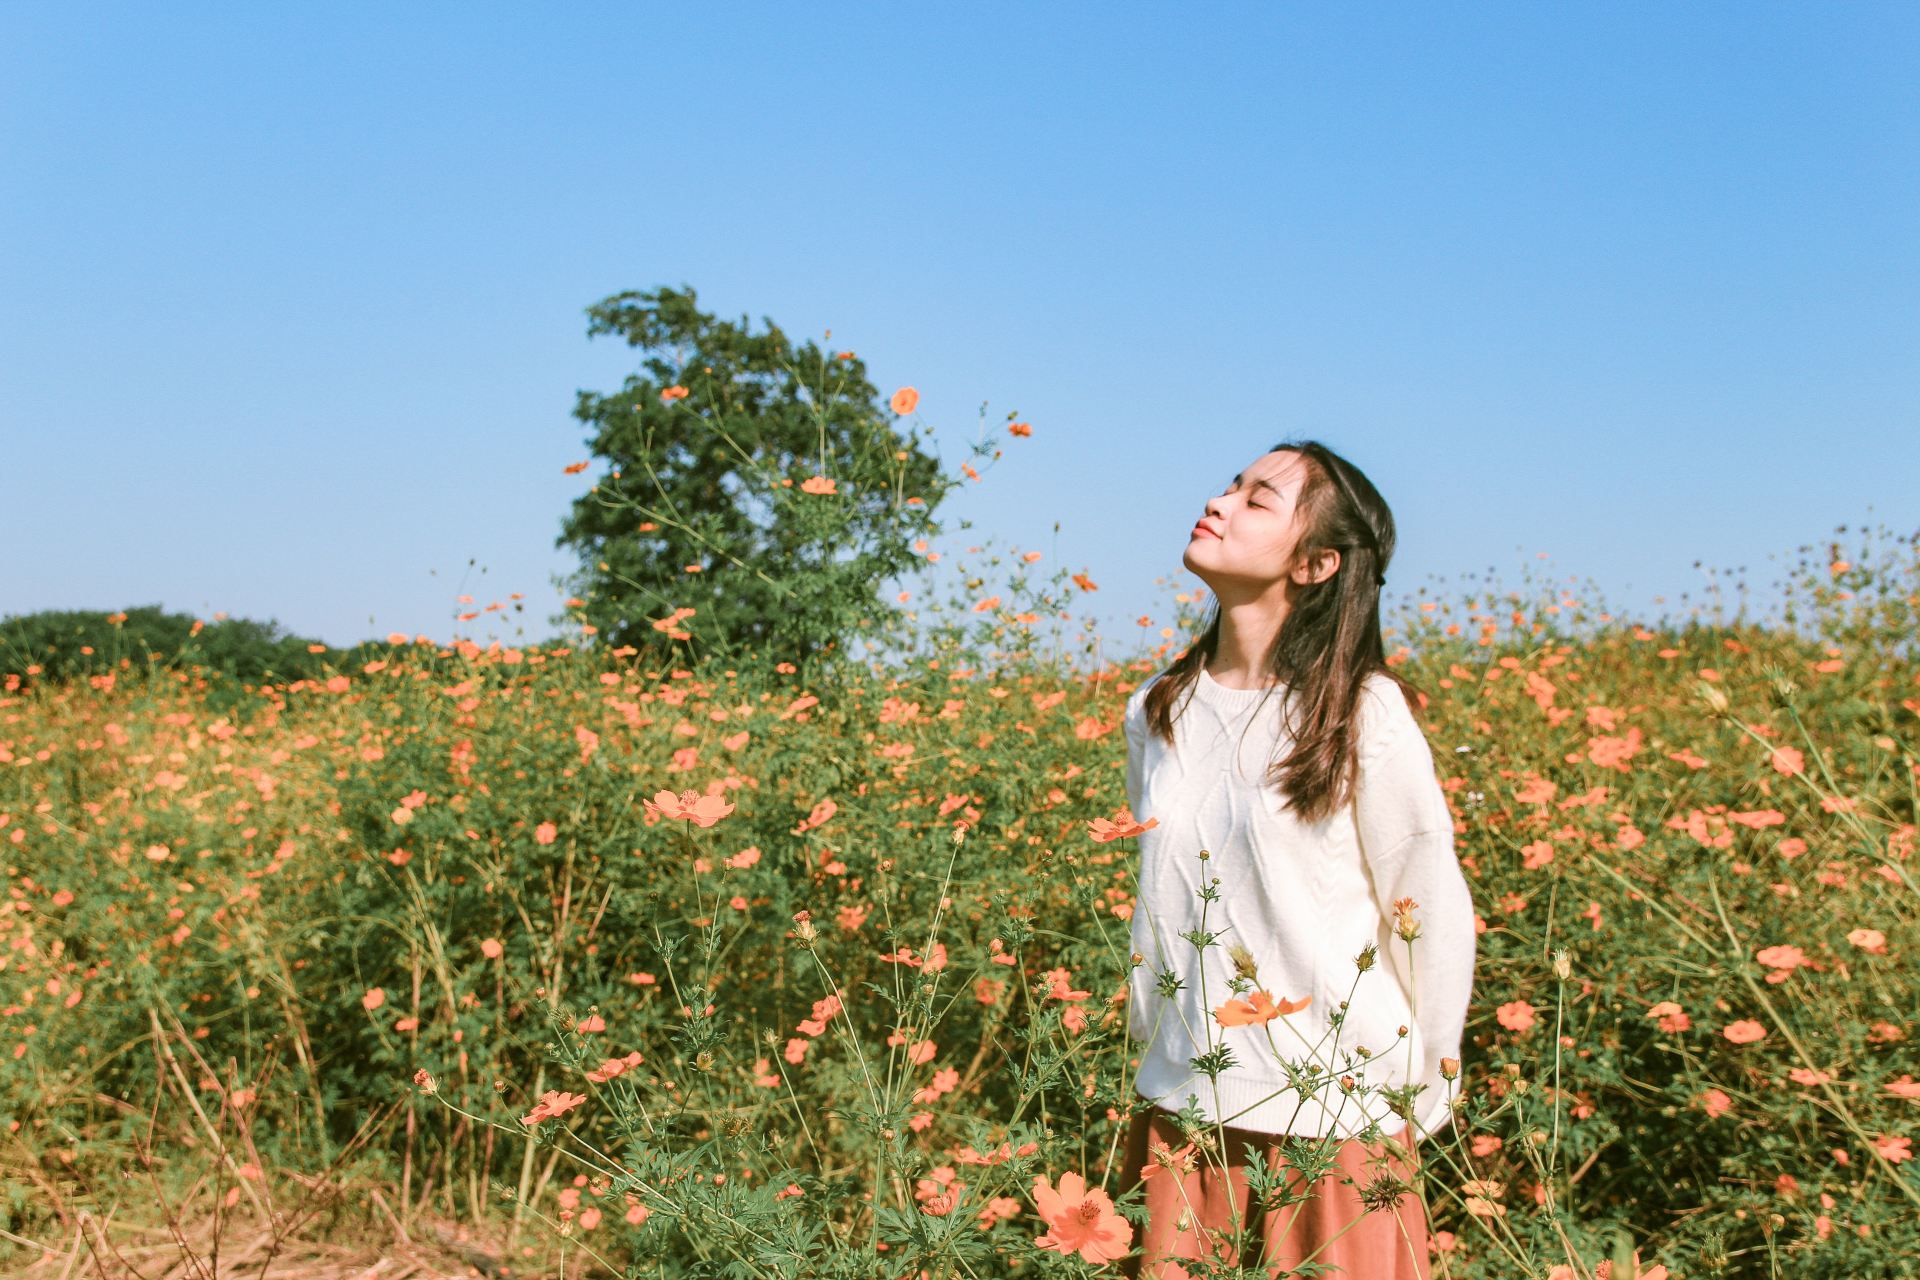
point(1201, 531)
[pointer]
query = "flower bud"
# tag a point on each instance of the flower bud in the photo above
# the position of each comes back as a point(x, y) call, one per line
point(1562, 964)
point(1449, 1068)
point(1403, 921)
point(1713, 696)
point(1364, 961)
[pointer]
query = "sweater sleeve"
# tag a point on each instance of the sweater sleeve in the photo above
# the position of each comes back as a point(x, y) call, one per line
point(1406, 835)
point(1134, 723)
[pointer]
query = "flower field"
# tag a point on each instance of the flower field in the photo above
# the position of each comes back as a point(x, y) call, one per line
point(709, 973)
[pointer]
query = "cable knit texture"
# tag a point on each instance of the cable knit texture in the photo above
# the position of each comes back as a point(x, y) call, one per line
point(1304, 899)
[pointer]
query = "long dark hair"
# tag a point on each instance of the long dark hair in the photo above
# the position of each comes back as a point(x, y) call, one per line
point(1329, 643)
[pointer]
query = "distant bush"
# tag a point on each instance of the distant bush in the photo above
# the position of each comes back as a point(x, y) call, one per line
point(60, 645)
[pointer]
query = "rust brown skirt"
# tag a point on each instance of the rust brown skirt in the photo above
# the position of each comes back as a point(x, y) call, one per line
point(1191, 1215)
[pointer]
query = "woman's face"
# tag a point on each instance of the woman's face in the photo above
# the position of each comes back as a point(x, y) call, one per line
point(1244, 542)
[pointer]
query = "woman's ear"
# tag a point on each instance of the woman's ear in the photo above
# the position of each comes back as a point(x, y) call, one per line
point(1322, 566)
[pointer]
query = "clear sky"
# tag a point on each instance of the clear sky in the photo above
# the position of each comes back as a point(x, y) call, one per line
point(292, 297)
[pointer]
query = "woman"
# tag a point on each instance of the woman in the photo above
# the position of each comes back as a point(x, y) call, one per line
point(1302, 858)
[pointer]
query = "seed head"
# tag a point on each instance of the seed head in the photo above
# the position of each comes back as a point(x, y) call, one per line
point(1243, 962)
point(1384, 1192)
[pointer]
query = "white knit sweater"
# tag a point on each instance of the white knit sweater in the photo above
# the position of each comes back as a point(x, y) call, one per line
point(1304, 899)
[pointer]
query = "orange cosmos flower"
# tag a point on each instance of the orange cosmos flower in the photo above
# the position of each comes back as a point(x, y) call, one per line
point(1672, 1016)
point(1869, 940)
point(702, 811)
point(1257, 1009)
point(904, 400)
point(554, 1102)
point(1515, 1015)
point(1081, 1219)
point(670, 394)
point(1161, 1156)
point(1745, 1031)
point(617, 1066)
point(1119, 826)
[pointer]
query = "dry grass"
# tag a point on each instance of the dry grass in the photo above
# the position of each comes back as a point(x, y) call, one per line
point(311, 1241)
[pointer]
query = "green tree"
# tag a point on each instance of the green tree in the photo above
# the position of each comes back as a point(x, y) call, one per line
point(715, 532)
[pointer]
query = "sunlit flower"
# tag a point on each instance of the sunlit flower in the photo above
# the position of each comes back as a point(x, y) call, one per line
point(702, 811)
point(1080, 1219)
point(554, 1102)
point(1745, 1031)
point(904, 400)
point(1257, 1009)
point(1121, 825)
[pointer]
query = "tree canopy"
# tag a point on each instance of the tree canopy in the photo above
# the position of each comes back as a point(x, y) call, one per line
point(758, 492)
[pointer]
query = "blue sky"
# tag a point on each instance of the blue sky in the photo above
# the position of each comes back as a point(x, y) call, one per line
point(292, 298)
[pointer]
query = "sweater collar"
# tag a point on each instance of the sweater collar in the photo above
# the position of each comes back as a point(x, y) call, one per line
point(1219, 695)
